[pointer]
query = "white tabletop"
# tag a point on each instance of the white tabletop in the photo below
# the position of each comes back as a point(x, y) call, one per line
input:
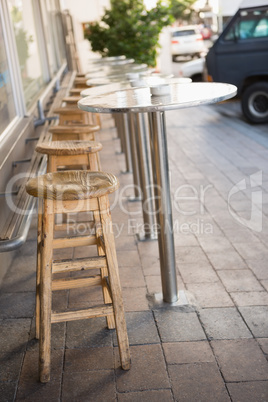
point(121, 85)
point(117, 70)
point(140, 99)
point(101, 60)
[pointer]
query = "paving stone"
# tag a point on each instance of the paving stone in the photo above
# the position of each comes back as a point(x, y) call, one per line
point(57, 336)
point(14, 335)
point(154, 284)
point(210, 294)
point(30, 373)
point(250, 298)
point(188, 352)
point(129, 259)
point(252, 250)
point(176, 326)
point(148, 370)
point(239, 281)
point(256, 391)
point(131, 277)
point(151, 264)
point(85, 297)
point(146, 396)
point(23, 264)
point(241, 360)
point(190, 255)
point(141, 328)
point(198, 273)
point(263, 342)
point(256, 319)
point(265, 284)
point(88, 333)
point(8, 391)
point(10, 365)
point(32, 391)
point(60, 300)
point(224, 323)
point(135, 299)
point(77, 360)
point(17, 305)
point(28, 249)
point(259, 267)
point(230, 260)
point(216, 244)
point(19, 281)
point(197, 383)
point(89, 386)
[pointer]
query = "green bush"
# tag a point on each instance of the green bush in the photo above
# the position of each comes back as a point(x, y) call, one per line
point(127, 28)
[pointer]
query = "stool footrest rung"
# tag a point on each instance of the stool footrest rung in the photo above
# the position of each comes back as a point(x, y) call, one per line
point(93, 312)
point(80, 264)
point(60, 284)
point(74, 242)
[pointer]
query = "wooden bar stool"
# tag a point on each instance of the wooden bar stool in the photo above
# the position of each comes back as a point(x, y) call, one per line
point(71, 115)
point(77, 191)
point(71, 101)
point(77, 91)
point(81, 82)
point(83, 132)
point(70, 153)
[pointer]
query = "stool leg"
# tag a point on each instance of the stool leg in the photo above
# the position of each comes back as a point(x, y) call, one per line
point(46, 291)
point(121, 328)
point(38, 262)
point(104, 272)
point(93, 161)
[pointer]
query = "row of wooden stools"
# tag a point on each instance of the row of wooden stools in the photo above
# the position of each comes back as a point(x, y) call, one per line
point(75, 184)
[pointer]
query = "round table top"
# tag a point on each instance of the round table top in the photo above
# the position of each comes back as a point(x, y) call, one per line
point(140, 100)
point(101, 60)
point(121, 85)
point(104, 79)
point(118, 62)
point(117, 70)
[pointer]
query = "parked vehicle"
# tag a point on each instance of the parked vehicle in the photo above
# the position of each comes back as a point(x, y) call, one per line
point(186, 41)
point(192, 69)
point(240, 57)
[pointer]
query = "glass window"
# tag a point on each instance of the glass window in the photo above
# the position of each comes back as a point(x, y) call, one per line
point(7, 105)
point(250, 25)
point(27, 47)
point(56, 31)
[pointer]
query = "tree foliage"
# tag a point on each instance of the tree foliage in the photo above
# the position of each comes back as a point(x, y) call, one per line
point(182, 9)
point(127, 28)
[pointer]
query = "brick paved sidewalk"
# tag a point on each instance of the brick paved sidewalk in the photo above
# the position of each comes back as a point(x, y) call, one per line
point(211, 349)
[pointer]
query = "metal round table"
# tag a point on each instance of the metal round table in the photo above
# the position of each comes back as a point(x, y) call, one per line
point(140, 100)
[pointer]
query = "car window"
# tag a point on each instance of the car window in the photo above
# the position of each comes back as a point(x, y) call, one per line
point(184, 33)
point(250, 25)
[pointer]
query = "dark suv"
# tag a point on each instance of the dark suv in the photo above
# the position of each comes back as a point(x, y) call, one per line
point(240, 57)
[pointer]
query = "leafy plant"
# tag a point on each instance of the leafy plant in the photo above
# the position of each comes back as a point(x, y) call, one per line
point(127, 28)
point(182, 9)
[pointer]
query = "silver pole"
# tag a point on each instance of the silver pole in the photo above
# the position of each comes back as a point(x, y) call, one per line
point(127, 150)
point(135, 169)
point(163, 206)
point(118, 123)
point(145, 182)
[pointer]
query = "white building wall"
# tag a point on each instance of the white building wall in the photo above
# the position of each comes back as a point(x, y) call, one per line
point(84, 11)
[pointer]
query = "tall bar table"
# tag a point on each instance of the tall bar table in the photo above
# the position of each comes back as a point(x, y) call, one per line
point(136, 142)
point(140, 100)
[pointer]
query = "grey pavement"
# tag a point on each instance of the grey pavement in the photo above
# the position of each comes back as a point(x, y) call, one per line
point(211, 348)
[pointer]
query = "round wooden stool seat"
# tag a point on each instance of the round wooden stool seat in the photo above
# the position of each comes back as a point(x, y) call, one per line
point(80, 129)
point(69, 147)
point(72, 185)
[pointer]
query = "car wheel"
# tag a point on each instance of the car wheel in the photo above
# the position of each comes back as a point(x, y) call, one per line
point(255, 102)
